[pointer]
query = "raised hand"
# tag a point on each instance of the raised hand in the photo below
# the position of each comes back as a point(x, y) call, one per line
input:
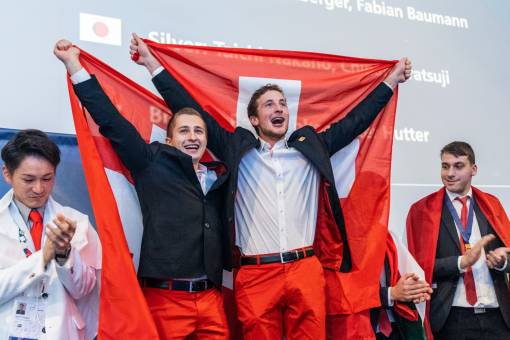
point(400, 72)
point(68, 54)
point(141, 54)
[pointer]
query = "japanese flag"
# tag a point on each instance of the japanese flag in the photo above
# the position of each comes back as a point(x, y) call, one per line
point(100, 29)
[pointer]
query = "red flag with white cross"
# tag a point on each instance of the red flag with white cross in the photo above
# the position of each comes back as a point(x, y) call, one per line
point(320, 90)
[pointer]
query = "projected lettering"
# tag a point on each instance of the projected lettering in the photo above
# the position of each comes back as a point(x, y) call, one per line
point(379, 8)
point(411, 135)
point(375, 7)
point(331, 4)
point(441, 78)
point(168, 38)
point(435, 18)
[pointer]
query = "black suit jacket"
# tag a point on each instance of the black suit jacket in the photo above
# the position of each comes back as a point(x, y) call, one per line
point(385, 303)
point(446, 272)
point(402, 328)
point(184, 231)
point(317, 147)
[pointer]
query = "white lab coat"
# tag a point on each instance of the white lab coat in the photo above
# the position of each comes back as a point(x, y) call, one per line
point(73, 289)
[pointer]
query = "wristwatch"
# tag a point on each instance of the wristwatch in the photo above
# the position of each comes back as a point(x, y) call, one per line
point(61, 258)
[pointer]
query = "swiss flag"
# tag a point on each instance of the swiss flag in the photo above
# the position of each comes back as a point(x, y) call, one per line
point(321, 89)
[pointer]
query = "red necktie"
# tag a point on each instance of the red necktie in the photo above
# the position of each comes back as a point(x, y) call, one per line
point(469, 280)
point(37, 228)
point(384, 323)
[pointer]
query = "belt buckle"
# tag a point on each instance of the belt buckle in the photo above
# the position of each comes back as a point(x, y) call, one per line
point(480, 310)
point(194, 286)
point(289, 253)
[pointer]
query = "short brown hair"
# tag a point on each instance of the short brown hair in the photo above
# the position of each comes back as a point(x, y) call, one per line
point(252, 105)
point(184, 111)
point(459, 149)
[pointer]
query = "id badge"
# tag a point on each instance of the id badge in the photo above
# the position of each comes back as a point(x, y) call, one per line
point(27, 322)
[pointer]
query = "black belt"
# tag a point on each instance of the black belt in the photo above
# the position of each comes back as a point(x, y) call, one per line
point(475, 310)
point(289, 256)
point(182, 285)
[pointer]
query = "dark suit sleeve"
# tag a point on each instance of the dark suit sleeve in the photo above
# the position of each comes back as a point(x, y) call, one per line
point(176, 97)
point(498, 243)
point(446, 268)
point(383, 295)
point(125, 139)
point(507, 268)
point(358, 120)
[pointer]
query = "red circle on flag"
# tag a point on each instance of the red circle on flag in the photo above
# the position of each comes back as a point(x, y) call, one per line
point(100, 29)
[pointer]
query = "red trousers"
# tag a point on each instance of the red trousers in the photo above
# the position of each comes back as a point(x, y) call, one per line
point(276, 300)
point(350, 326)
point(182, 315)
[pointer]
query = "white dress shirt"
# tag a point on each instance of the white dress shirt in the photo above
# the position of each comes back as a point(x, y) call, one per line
point(206, 177)
point(80, 76)
point(277, 200)
point(483, 280)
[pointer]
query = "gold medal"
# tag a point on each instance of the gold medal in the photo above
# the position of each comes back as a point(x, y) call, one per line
point(467, 246)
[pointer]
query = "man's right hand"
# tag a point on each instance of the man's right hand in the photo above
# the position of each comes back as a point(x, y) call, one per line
point(69, 55)
point(472, 255)
point(144, 55)
point(48, 251)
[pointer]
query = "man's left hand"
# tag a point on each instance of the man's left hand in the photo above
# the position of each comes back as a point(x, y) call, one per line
point(400, 72)
point(61, 232)
point(496, 258)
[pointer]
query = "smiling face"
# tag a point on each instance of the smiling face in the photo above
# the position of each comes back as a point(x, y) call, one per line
point(457, 172)
point(272, 116)
point(32, 181)
point(189, 135)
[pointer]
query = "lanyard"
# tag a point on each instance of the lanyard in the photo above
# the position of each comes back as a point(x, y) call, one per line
point(465, 233)
point(23, 241)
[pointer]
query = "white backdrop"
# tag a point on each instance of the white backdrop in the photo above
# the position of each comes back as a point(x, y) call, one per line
point(459, 49)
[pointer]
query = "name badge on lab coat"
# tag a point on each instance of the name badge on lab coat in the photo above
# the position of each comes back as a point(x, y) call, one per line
point(27, 322)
